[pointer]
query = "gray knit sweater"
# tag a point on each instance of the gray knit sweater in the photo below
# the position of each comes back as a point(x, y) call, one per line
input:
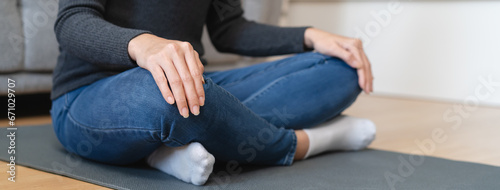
point(94, 34)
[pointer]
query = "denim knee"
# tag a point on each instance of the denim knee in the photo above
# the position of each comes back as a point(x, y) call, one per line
point(345, 73)
point(339, 81)
point(340, 71)
point(340, 87)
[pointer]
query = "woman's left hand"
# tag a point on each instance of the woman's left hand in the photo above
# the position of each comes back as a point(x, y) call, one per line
point(348, 49)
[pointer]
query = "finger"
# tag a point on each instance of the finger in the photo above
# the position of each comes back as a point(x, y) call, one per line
point(198, 75)
point(366, 80)
point(194, 69)
point(202, 69)
point(176, 86)
point(350, 59)
point(345, 55)
point(369, 72)
point(162, 83)
point(356, 48)
point(200, 64)
point(361, 79)
point(357, 55)
point(186, 77)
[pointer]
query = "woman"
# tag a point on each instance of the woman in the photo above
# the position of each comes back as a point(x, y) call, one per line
point(130, 84)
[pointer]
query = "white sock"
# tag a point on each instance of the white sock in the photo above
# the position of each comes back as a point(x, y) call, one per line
point(340, 133)
point(191, 163)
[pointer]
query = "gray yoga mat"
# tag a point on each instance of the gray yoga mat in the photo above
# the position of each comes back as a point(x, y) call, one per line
point(38, 148)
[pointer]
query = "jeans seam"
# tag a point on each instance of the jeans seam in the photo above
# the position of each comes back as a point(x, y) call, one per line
point(293, 150)
point(262, 71)
point(80, 125)
point(172, 139)
point(252, 75)
point(66, 106)
point(97, 129)
point(264, 91)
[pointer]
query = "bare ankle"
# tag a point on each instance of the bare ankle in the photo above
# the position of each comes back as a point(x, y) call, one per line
point(302, 145)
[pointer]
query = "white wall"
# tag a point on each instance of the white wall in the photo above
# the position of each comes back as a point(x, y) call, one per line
point(430, 49)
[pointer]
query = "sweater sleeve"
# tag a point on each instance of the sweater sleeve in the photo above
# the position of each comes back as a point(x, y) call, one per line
point(230, 32)
point(82, 31)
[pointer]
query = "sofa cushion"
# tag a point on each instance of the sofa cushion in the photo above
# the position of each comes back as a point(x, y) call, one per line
point(41, 49)
point(27, 83)
point(11, 37)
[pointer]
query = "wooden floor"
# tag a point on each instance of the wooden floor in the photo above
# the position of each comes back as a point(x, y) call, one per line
point(402, 126)
point(402, 122)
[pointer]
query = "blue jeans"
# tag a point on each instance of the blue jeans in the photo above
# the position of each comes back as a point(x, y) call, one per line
point(249, 116)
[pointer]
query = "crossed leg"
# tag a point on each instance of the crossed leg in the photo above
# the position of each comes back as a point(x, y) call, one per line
point(243, 120)
point(296, 93)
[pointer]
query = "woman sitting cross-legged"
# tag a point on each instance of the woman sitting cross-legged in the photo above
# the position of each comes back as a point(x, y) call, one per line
point(130, 85)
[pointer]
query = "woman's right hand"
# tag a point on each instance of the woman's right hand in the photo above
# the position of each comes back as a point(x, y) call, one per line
point(175, 63)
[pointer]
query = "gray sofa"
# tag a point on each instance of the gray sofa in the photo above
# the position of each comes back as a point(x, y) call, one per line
point(29, 50)
point(28, 47)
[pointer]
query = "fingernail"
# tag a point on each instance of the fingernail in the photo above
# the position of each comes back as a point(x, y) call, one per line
point(196, 110)
point(185, 113)
point(203, 80)
point(202, 101)
point(170, 100)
